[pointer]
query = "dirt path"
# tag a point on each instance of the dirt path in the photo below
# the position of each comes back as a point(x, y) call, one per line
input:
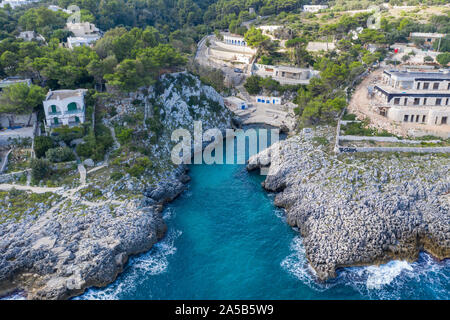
point(8, 187)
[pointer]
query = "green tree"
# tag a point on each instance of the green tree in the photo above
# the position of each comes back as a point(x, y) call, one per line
point(254, 37)
point(443, 59)
point(40, 169)
point(21, 98)
point(41, 145)
point(252, 85)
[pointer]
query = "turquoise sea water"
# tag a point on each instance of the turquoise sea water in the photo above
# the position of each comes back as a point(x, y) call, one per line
point(226, 240)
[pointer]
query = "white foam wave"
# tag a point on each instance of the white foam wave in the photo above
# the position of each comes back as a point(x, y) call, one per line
point(297, 265)
point(394, 280)
point(140, 268)
point(378, 276)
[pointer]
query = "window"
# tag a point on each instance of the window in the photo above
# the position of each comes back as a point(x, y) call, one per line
point(438, 102)
point(405, 118)
point(417, 118)
point(426, 85)
point(448, 87)
point(446, 102)
point(436, 86)
point(72, 106)
point(424, 118)
point(418, 85)
point(405, 102)
point(53, 109)
point(444, 120)
point(416, 101)
point(412, 118)
point(425, 101)
point(55, 120)
point(397, 101)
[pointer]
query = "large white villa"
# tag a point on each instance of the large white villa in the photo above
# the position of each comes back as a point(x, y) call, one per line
point(64, 107)
point(414, 96)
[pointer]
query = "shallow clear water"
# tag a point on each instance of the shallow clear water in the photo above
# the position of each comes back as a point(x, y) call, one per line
point(226, 240)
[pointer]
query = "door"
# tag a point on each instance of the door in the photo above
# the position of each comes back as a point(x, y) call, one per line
point(53, 109)
point(77, 120)
point(56, 121)
point(72, 106)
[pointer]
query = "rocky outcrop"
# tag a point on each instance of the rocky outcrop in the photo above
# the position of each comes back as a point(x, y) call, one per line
point(359, 209)
point(84, 239)
point(62, 253)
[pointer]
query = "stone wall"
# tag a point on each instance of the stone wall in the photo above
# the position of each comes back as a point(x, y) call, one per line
point(384, 139)
point(11, 177)
point(395, 149)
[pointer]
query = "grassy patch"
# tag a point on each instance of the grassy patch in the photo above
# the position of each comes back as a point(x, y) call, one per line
point(16, 204)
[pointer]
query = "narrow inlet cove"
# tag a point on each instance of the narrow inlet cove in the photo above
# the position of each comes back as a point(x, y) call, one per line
point(226, 240)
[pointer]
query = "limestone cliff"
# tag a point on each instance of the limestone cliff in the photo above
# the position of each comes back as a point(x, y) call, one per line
point(358, 209)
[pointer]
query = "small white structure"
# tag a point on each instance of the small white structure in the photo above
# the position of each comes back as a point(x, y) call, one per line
point(85, 33)
point(13, 80)
point(234, 103)
point(30, 36)
point(285, 74)
point(73, 42)
point(56, 8)
point(234, 39)
point(81, 29)
point(429, 38)
point(319, 46)
point(64, 107)
point(16, 3)
point(269, 29)
point(314, 8)
point(268, 100)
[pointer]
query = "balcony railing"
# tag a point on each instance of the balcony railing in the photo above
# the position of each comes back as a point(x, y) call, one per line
point(74, 111)
point(56, 113)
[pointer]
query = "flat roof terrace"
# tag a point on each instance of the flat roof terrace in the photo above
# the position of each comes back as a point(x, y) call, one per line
point(418, 76)
point(392, 90)
point(64, 94)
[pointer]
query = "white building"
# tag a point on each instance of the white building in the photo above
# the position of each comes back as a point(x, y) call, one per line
point(428, 38)
point(81, 29)
point(314, 8)
point(414, 97)
point(319, 46)
point(56, 8)
point(16, 3)
point(64, 107)
point(234, 39)
point(30, 36)
point(85, 34)
point(268, 100)
point(285, 74)
point(73, 42)
point(269, 29)
point(13, 80)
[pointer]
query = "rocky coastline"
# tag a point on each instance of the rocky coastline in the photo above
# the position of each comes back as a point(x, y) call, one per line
point(78, 239)
point(355, 210)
